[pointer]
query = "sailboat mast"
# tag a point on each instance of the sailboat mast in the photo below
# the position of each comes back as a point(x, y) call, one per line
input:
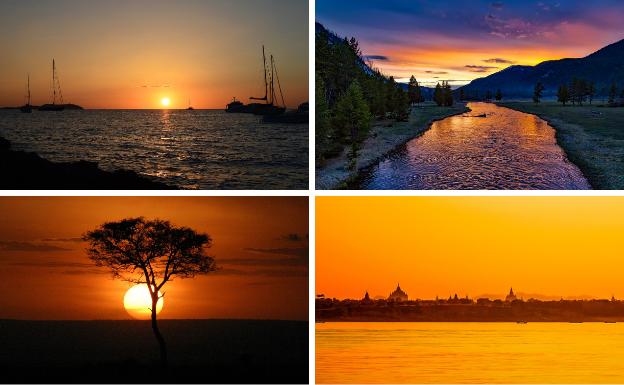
point(265, 72)
point(272, 82)
point(29, 89)
point(53, 81)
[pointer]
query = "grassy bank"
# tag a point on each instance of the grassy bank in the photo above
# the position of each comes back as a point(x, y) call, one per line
point(592, 137)
point(385, 136)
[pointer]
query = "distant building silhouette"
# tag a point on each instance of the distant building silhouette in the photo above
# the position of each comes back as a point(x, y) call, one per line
point(511, 296)
point(398, 295)
point(366, 298)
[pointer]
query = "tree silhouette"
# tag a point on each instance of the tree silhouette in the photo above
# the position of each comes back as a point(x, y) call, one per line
point(563, 95)
point(499, 94)
point(413, 90)
point(537, 92)
point(150, 252)
point(612, 93)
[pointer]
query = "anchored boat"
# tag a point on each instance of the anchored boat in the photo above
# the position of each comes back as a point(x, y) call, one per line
point(56, 89)
point(270, 106)
point(28, 107)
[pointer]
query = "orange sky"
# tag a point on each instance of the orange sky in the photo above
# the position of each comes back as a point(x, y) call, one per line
point(131, 54)
point(45, 273)
point(542, 246)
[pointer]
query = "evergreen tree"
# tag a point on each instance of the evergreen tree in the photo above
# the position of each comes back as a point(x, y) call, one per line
point(438, 97)
point(499, 95)
point(612, 93)
point(563, 94)
point(591, 91)
point(537, 92)
point(414, 92)
point(447, 94)
point(325, 140)
point(352, 119)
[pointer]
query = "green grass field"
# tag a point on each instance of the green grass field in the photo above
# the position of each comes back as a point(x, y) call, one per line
point(592, 137)
point(385, 136)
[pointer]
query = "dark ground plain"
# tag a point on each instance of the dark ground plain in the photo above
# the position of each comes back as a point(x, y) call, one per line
point(200, 351)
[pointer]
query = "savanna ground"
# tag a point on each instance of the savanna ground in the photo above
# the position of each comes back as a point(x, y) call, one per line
point(384, 136)
point(592, 137)
point(200, 351)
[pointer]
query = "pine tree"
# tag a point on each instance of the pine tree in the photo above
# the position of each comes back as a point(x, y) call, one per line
point(563, 94)
point(591, 91)
point(447, 94)
point(352, 119)
point(537, 92)
point(323, 125)
point(414, 92)
point(612, 93)
point(499, 95)
point(437, 95)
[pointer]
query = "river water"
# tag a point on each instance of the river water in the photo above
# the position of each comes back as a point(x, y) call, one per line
point(469, 352)
point(200, 149)
point(506, 149)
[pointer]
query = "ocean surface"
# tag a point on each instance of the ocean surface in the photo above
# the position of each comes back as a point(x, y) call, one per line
point(469, 352)
point(200, 149)
point(507, 150)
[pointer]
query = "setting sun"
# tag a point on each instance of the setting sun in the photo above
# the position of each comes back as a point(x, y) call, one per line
point(138, 302)
point(165, 102)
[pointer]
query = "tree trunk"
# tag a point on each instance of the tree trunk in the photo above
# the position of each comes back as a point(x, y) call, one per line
point(161, 341)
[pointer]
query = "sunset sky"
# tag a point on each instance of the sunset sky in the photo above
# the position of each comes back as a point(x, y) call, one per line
point(545, 247)
point(260, 245)
point(132, 54)
point(459, 41)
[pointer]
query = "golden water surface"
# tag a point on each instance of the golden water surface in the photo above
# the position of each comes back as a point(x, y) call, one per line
point(490, 147)
point(405, 352)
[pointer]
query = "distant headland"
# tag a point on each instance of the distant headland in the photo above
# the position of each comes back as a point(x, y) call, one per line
point(397, 307)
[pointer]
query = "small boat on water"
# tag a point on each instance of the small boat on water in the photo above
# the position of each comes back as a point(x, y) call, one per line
point(28, 107)
point(270, 106)
point(299, 116)
point(521, 322)
point(190, 107)
point(56, 89)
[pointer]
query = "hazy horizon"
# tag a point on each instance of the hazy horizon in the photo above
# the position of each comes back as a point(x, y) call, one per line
point(130, 55)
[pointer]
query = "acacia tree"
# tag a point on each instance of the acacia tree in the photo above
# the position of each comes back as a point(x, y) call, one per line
point(150, 252)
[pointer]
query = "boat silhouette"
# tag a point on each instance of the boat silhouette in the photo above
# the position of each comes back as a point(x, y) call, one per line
point(28, 107)
point(56, 90)
point(269, 106)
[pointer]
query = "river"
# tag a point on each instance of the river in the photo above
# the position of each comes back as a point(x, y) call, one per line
point(469, 352)
point(506, 149)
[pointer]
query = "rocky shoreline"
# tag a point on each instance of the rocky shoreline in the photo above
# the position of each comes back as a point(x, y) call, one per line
point(21, 170)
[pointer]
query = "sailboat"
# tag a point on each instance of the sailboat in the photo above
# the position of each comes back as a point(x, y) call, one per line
point(28, 107)
point(269, 106)
point(190, 107)
point(55, 85)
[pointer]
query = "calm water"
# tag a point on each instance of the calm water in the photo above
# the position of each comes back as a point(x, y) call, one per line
point(505, 150)
point(205, 149)
point(469, 353)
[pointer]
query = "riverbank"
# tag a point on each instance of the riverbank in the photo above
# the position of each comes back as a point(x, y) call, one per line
point(21, 170)
point(385, 136)
point(591, 136)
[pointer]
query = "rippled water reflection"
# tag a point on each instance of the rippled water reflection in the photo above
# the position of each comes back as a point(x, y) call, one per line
point(190, 149)
point(469, 352)
point(505, 150)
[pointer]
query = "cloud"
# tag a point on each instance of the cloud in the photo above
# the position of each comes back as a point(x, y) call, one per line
point(62, 240)
point(474, 68)
point(286, 251)
point(498, 60)
point(437, 72)
point(376, 57)
point(293, 237)
point(29, 247)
